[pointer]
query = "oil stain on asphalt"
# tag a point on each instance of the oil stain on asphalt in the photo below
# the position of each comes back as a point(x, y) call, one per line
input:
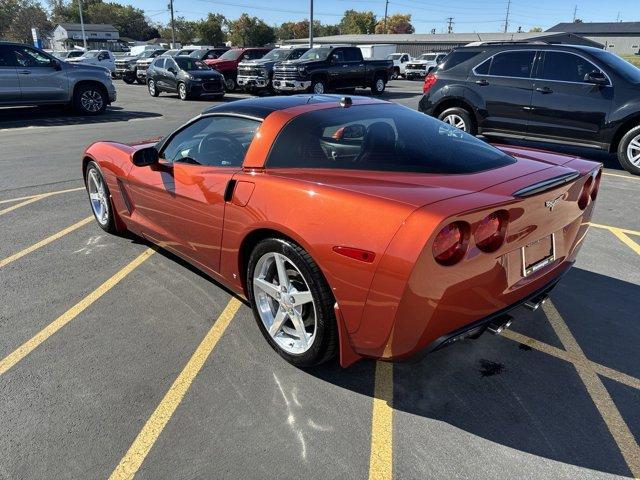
point(489, 368)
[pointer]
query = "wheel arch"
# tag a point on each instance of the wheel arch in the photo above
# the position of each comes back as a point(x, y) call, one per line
point(120, 225)
point(82, 83)
point(625, 126)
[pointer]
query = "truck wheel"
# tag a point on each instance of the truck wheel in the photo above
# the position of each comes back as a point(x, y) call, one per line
point(378, 85)
point(396, 73)
point(230, 84)
point(90, 99)
point(629, 150)
point(318, 86)
point(128, 79)
point(459, 118)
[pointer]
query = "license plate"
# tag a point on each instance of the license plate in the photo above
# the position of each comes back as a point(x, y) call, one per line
point(538, 254)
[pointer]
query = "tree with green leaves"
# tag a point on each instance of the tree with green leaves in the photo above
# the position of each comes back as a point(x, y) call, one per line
point(354, 22)
point(395, 24)
point(211, 29)
point(536, 29)
point(18, 17)
point(249, 31)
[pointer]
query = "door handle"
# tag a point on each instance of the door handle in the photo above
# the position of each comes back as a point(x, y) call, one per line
point(482, 82)
point(24, 72)
point(527, 108)
point(544, 90)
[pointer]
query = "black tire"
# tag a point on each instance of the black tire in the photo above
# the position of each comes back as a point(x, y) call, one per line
point(90, 99)
point(230, 84)
point(318, 86)
point(140, 80)
point(128, 79)
point(109, 225)
point(183, 92)
point(378, 85)
point(469, 123)
point(325, 343)
point(624, 148)
point(152, 86)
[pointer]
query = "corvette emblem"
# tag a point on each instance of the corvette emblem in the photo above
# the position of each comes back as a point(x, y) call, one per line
point(550, 204)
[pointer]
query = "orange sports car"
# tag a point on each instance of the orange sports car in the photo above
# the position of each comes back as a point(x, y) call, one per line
point(352, 225)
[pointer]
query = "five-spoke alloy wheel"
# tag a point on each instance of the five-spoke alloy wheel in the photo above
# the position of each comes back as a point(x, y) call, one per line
point(99, 197)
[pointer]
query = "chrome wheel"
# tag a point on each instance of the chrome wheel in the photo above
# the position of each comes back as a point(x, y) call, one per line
point(152, 87)
point(379, 85)
point(318, 88)
point(182, 91)
point(98, 196)
point(285, 303)
point(633, 151)
point(92, 101)
point(456, 120)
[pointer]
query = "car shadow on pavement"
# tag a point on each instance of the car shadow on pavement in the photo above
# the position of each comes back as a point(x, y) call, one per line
point(55, 116)
point(517, 397)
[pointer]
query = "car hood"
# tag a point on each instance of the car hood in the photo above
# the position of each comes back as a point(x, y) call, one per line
point(419, 189)
point(221, 64)
point(205, 74)
point(257, 63)
point(85, 67)
point(127, 59)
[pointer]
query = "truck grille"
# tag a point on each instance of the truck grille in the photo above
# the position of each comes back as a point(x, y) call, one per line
point(415, 66)
point(143, 66)
point(286, 73)
point(252, 72)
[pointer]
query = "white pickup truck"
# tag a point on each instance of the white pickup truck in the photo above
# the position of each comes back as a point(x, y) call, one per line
point(420, 66)
point(100, 58)
point(399, 63)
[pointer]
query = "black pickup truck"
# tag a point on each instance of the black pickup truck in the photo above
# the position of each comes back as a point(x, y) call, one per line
point(332, 68)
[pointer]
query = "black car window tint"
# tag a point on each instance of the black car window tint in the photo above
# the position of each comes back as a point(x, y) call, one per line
point(351, 55)
point(296, 54)
point(512, 64)
point(338, 55)
point(159, 63)
point(566, 67)
point(456, 58)
point(483, 68)
point(7, 57)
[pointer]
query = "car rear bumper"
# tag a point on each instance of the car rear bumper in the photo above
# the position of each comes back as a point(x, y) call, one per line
point(249, 81)
point(292, 85)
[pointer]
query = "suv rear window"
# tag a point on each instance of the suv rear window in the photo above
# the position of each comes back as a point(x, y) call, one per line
point(457, 57)
point(380, 137)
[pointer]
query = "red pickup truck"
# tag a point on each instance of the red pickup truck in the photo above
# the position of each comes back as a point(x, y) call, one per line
point(227, 63)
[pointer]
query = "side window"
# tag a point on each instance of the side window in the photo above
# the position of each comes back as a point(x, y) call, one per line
point(169, 63)
point(254, 54)
point(7, 57)
point(512, 64)
point(29, 57)
point(351, 55)
point(483, 68)
point(338, 55)
point(296, 54)
point(220, 141)
point(103, 56)
point(566, 67)
point(159, 63)
point(457, 57)
point(405, 58)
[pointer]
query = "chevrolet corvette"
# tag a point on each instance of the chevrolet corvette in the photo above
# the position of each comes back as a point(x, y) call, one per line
point(353, 226)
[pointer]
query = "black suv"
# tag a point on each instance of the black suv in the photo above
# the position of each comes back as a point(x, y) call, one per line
point(567, 94)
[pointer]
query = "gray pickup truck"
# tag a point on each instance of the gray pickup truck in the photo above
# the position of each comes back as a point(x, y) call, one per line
point(29, 76)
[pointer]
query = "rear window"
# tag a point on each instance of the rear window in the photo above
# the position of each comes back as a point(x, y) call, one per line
point(381, 137)
point(457, 57)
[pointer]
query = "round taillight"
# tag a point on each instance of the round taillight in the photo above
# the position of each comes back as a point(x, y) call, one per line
point(490, 231)
point(583, 201)
point(450, 243)
point(596, 185)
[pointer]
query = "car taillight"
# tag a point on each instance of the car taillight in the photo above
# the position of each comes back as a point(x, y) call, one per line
point(429, 80)
point(583, 200)
point(491, 230)
point(596, 185)
point(450, 244)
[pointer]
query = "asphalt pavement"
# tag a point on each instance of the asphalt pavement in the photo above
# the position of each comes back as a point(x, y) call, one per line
point(117, 359)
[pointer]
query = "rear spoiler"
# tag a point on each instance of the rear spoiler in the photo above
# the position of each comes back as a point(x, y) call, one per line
point(546, 185)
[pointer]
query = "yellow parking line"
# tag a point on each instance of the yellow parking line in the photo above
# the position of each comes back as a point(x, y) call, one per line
point(381, 456)
point(572, 358)
point(626, 240)
point(599, 394)
point(21, 204)
point(41, 195)
point(147, 437)
point(35, 341)
point(608, 227)
point(628, 177)
point(46, 241)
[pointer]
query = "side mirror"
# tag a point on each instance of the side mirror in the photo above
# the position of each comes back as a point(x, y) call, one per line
point(145, 157)
point(596, 77)
point(56, 65)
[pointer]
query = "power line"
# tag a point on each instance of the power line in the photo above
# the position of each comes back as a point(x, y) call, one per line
point(449, 24)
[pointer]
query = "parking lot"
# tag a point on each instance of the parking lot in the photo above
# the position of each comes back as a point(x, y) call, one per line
point(117, 358)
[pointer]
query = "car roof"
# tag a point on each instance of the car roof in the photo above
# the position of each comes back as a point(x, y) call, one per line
point(531, 45)
point(262, 107)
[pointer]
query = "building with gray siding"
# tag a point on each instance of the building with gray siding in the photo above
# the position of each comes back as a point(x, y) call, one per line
point(622, 38)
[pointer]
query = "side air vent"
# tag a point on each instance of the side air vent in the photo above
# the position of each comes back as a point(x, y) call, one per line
point(546, 185)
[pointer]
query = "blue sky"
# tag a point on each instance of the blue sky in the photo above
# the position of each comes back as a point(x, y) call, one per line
point(469, 15)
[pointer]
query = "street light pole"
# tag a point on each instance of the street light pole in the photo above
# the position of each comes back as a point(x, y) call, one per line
point(310, 23)
point(84, 37)
point(386, 7)
point(173, 26)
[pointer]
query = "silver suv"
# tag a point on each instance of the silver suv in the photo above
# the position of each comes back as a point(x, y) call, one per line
point(29, 76)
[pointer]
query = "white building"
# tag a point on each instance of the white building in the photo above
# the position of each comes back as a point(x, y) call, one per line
point(99, 36)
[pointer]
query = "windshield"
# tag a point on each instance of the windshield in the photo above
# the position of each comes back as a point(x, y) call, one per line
point(277, 54)
point(316, 54)
point(230, 55)
point(190, 64)
point(427, 56)
point(91, 54)
point(150, 53)
point(394, 56)
point(625, 69)
point(385, 137)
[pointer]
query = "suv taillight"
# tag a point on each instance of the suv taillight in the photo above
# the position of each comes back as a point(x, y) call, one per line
point(429, 80)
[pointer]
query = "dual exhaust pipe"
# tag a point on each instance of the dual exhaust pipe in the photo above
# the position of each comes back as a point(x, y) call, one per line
point(497, 325)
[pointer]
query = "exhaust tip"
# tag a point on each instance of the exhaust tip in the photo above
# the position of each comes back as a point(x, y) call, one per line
point(499, 324)
point(535, 303)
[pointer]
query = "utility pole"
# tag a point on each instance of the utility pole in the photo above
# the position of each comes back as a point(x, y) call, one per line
point(386, 8)
point(449, 24)
point(84, 37)
point(575, 13)
point(310, 23)
point(506, 18)
point(173, 26)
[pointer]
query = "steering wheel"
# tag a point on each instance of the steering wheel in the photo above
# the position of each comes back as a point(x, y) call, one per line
point(219, 146)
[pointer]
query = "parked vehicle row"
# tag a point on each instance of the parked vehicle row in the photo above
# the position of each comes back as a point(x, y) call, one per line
point(184, 75)
point(566, 94)
point(421, 66)
point(126, 68)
